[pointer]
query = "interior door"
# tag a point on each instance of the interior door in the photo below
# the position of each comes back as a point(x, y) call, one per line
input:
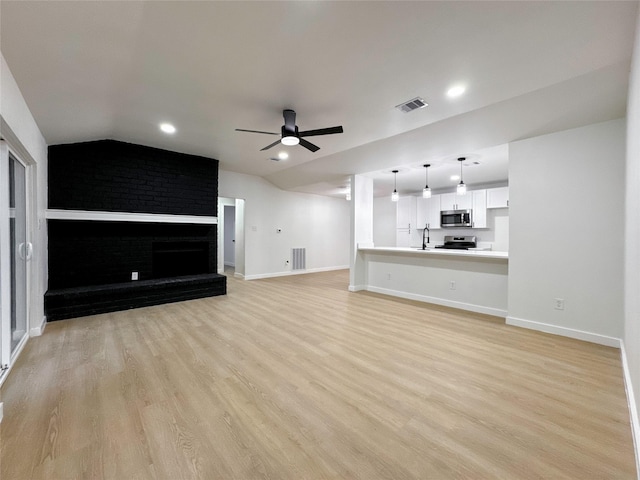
point(15, 252)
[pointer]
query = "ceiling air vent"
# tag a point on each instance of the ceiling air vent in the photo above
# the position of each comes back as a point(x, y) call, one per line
point(412, 105)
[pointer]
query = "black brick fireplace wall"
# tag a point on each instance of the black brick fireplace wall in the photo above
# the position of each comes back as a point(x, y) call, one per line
point(96, 258)
point(83, 253)
point(122, 177)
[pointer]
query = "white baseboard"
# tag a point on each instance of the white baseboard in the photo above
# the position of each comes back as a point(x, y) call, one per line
point(565, 332)
point(1, 411)
point(38, 330)
point(238, 275)
point(229, 264)
point(633, 406)
point(294, 272)
point(357, 288)
point(440, 301)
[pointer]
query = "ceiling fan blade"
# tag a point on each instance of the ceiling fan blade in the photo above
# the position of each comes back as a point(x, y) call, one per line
point(289, 120)
point(321, 131)
point(269, 146)
point(309, 145)
point(255, 131)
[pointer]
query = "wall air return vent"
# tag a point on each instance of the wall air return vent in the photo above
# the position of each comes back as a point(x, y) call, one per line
point(298, 258)
point(411, 105)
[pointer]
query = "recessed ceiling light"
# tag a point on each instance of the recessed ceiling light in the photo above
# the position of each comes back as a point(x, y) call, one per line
point(455, 177)
point(167, 128)
point(456, 91)
point(283, 155)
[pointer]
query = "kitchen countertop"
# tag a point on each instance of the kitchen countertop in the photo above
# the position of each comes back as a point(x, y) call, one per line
point(438, 251)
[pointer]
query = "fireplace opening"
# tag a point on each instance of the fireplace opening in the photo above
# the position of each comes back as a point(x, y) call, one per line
point(175, 259)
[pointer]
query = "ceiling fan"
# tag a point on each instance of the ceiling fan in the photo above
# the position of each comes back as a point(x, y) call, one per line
point(290, 135)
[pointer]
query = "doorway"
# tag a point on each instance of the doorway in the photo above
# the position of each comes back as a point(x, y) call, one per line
point(15, 252)
point(230, 236)
point(231, 250)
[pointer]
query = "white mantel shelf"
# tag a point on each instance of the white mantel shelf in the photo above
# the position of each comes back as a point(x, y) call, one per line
point(437, 251)
point(128, 217)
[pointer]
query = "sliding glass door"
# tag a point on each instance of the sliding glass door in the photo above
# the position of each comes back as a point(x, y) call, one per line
point(15, 252)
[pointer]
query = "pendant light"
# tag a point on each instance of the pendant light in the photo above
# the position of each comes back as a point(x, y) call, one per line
point(426, 191)
point(462, 188)
point(394, 195)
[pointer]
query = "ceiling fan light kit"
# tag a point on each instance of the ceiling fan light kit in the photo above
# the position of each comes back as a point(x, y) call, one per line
point(290, 136)
point(290, 140)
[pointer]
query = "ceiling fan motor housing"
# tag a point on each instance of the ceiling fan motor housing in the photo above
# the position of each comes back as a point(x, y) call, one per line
point(286, 132)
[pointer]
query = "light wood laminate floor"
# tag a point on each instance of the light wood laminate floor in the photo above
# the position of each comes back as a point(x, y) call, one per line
point(296, 378)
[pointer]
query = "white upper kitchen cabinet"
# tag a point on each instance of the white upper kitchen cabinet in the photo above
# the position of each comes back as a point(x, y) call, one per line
point(498, 197)
point(428, 211)
point(474, 200)
point(406, 213)
point(453, 201)
point(479, 208)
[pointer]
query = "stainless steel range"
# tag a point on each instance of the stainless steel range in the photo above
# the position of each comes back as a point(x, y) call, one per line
point(453, 242)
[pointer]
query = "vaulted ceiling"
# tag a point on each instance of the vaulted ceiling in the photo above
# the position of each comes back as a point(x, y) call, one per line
point(110, 69)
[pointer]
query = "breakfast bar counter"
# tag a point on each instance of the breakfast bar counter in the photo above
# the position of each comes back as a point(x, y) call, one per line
point(479, 253)
point(474, 280)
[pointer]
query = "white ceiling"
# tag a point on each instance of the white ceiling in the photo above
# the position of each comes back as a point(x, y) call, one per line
point(92, 70)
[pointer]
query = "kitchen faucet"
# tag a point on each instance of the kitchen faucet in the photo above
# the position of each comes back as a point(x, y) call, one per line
point(426, 230)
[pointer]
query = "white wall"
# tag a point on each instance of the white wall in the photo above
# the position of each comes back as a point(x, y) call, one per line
point(566, 231)
point(20, 130)
point(239, 224)
point(16, 114)
point(631, 337)
point(318, 223)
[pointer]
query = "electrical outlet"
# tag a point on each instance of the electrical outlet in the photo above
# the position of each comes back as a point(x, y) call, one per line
point(452, 285)
point(134, 275)
point(559, 304)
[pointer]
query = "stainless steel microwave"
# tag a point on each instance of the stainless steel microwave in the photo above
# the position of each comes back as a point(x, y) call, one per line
point(455, 218)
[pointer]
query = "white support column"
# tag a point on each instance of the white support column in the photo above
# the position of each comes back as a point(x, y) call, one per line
point(361, 228)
